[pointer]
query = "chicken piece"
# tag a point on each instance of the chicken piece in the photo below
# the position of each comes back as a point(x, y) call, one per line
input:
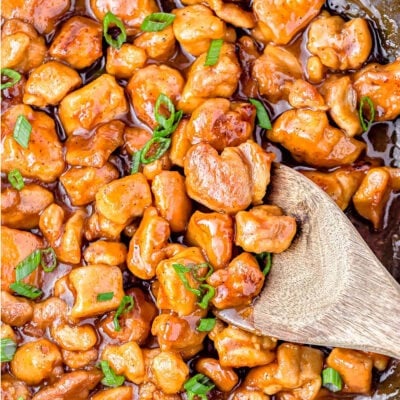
point(296, 372)
point(372, 195)
point(243, 268)
point(93, 150)
point(340, 184)
point(203, 82)
point(309, 137)
point(85, 108)
point(102, 252)
point(315, 70)
point(23, 213)
point(15, 311)
point(64, 238)
point(275, 71)
point(79, 359)
point(157, 45)
point(79, 42)
point(43, 158)
point(242, 393)
point(173, 293)
point(127, 360)
point(232, 13)
point(15, 247)
point(100, 227)
point(147, 246)
point(339, 45)
point(135, 324)
point(237, 348)
point(171, 199)
point(304, 95)
point(7, 332)
point(381, 83)
point(120, 393)
point(131, 13)
point(147, 84)
point(12, 388)
point(125, 61)
point(225, 378)
point(88, 282)
point(354, 367)
point(180, 143)
point(49, 312)
point(135, 138)
point(74, 338)
point(149, 391)
point(82, 184)
point(124, 199)
point(221, 123)
point(213, 233)
point(395, 177)
point(260, 230)
point(22, 49)
point(35, 361)
point(72, 385)
point(380, 362)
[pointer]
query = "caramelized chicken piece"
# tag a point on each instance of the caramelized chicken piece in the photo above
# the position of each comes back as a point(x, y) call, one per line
point(100, 227)
point(395, 177)
point(20, 209)
point(147, 84)
point(125, 61)
point(43, 159)
point(304, 95)
point(131, 12)
point(120, 393)
point(225, 378)
point(381, 83)
point(279, 21)
point(171, 200)
point(241, 393)
point(42, 14)
point(85, 108)
point(315, 69)
point(74, 338)
point(157, 45)
point(82, 184)
point(79, 42)
point(7, 332)
point(203, 82)
point(149, 391)
point(12, 388)
point(64, 236)
point(103, 252)
point(15, 247)
point(213, 233)
point(79, 359)
point(339, 44)
point(380, 361)
point(309, 137)
point(232, 13)
point(180, 144)
point(372, 195)
point(244, 269)
point(221, 123)
point(49, 83)
point(275, 71)
point(22, 48)
point(147, 246)
point(341, 98)
point(15, 311)
point(340, 184)
point(49, 312)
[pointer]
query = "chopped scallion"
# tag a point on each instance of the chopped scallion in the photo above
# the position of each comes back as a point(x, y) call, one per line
point(265, 262)
point(135, 162)
point(157, 22)
point(262, 115)
point(212, 56)
point(14, 77)
point(23, 289)
point(126, 305)
point(331, 380)
point(206, 324)
point(105, 296)
point(110, 379)
point(111, 21)
point(22, 131)
point(208, 292)
point(7, 348)
point(182, 270)
point(16, 180)
point(161, 144)
point(197, 267)
point(27, 265)
point(199, 385)
point(163, 100)
point(48, 260)
point(366, 123)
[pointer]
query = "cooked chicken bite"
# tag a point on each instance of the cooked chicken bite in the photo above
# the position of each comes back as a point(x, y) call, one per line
point(304, 95)
point(157, 45)
point(125, 61)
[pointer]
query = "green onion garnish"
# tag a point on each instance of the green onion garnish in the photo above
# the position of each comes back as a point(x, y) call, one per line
point(265, 261)
point(199, 385)
point(160, 131)
point(331, 380)
point(135, 162)
point(262, 115)
point(164, 100)
point(162, 145)
point(110, 379)
point(208, 292)
point(197, 267)
point(7, 349)
point(105, 296)
point(125, 306)
point(11, 74)
point(111, 21)
point(48, 259)
point(27, 265)
point(20, 398)
point(366, 123)
point(22, 131)
point(213, 52)
point(206, 324)
point(157, 22)
point(16, 180)
point(23, 289)
point(182, 270)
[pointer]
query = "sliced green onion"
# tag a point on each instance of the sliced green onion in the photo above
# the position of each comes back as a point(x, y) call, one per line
point(125, 306)
point(366, 123)
point(159, 131)
point(182, 270)
point(11, 74)
point(27, 265)
point(110, 379)
point(136, 162)
point(7, 349)
point(16, 180)
point(265, 262)
point(22, 131)
point(262, 115)
point(164, 100)
point(157, 22)
point(110, 20)
point(20, 398)
point(48, 260)
point(199, 385)
point(196, 267)
point(207, 296)
point(213, 52)
point(23, 289)
point(162, 146)
point(331, 380)
point(206, 324)
point(105, 296)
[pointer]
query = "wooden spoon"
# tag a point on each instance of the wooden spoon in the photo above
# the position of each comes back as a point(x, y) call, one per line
point(328, 288)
